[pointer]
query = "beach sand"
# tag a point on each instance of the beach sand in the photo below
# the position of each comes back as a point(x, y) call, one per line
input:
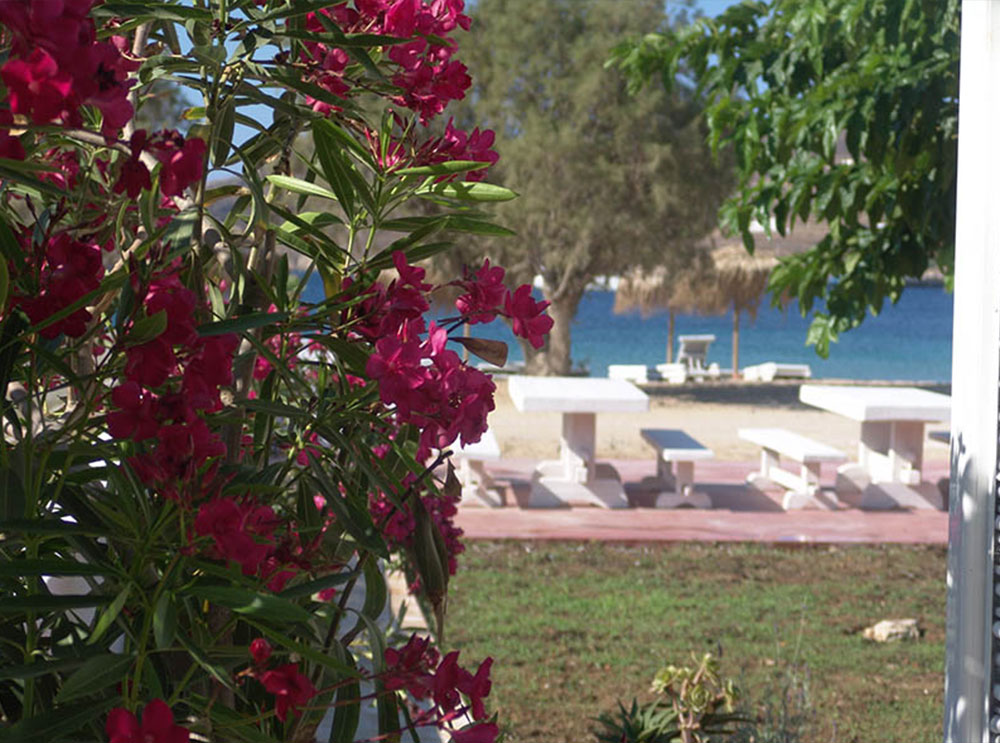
point(710, 412)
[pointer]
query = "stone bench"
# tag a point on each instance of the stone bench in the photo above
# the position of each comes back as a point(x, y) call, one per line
point(676, 453)
point(478, 488)
point(769, 371)
point(802, 487)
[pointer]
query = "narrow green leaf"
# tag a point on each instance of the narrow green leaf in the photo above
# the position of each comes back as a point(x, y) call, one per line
point(53, 566)
point(147, 329)
point(317, 585)
point(242, 323)
point(109, 615)
point(42, 527)
point(347, 710)
point(467, 191)
point(164, 621)
point(95, 675)
point(56, 722)
point(297, 185)
point(262, 605)
point(14, 605)
point(448, 168)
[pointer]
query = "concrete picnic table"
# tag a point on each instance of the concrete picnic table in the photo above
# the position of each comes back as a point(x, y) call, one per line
point(576, 478)
point(891, 447)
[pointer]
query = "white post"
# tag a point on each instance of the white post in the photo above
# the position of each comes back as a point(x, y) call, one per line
point(970, 709)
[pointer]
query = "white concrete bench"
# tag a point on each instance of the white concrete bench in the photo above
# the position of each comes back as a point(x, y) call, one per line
point(478, 488)
point(676, 449)
point(803, 487)
point(629, 372)
point(769, 371)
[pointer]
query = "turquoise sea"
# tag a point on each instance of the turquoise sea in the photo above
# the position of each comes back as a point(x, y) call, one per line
point(910, 340)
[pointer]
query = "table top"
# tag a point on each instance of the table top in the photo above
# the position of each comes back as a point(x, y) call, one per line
point(864, 403)
point(576, 395)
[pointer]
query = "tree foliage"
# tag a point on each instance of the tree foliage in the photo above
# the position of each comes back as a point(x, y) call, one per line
point(607, 181)
point(786, 81)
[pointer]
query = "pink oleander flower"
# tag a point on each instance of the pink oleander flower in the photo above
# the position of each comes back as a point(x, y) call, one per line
point(70, 270)
point(260, 650)
point(181, 161)
point(526, 315)
point(135, 419)
point(157, 725)
point(290, 688)
point(38, 89)
point(134, 175)
point(484, 292)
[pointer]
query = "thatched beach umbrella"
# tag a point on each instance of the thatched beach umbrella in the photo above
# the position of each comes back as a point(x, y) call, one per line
point(732, 278)
point(740, 283)
point(659, 289)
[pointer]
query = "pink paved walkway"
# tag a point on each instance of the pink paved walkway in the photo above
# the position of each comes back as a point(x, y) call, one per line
point(738, 514)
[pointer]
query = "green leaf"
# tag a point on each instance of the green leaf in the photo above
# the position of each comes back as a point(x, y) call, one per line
point(52, 566)
point(164, 621)
point(224, 133)
point(47, 527)
point(95, 675)
point(242, 323)
point(43, 668)
point(147, 329)
point(4, 283)
point(14, 605)
point(261, 605)
point(56, 722)
point(219, 673)
point(320, 658)
point(297, 185)
point(317, 585)
point(109, 615)
point(153, 11)
point(278, 409)
point(448, 168)
point(467, 191)
point(347, 709)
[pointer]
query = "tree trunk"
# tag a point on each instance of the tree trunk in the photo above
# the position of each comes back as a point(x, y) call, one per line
point(670, 337)
point(554, 359)
point(736, 343)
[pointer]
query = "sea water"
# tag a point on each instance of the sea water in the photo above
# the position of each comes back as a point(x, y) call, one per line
point(910, 340)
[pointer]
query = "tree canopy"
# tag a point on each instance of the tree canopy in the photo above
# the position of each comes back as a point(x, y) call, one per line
point(607, 181)
point(787, 83)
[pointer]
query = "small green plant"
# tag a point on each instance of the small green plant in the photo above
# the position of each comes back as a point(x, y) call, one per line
point(696, 705)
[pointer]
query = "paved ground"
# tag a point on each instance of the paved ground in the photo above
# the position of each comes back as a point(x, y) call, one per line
point(739, 513)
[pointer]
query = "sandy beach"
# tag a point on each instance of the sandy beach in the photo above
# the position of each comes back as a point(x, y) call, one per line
point(710, 412)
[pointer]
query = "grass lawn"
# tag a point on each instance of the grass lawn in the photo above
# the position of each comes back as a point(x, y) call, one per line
point(576, 627)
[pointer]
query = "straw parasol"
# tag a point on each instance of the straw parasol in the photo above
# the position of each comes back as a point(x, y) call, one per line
point(659, 289)
point(724, 277)
point(741, 281)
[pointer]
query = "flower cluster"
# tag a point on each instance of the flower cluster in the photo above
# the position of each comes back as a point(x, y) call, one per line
point(57, 65)
point(157, 725)
point(252, 535)
point(426, 384)
point(455, 144)
point(427, 76)
point(418, 668)
point(397, 524)
point(291, 688)
point(181, 163)
point(68, 270)
point(147, 407)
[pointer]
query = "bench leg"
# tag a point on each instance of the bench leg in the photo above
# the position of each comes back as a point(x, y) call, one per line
point(681, 491)
point(769, 463)
point(665, 471)
point(478, 488)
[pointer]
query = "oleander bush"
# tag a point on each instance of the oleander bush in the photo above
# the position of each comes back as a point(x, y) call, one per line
point(203, 476)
